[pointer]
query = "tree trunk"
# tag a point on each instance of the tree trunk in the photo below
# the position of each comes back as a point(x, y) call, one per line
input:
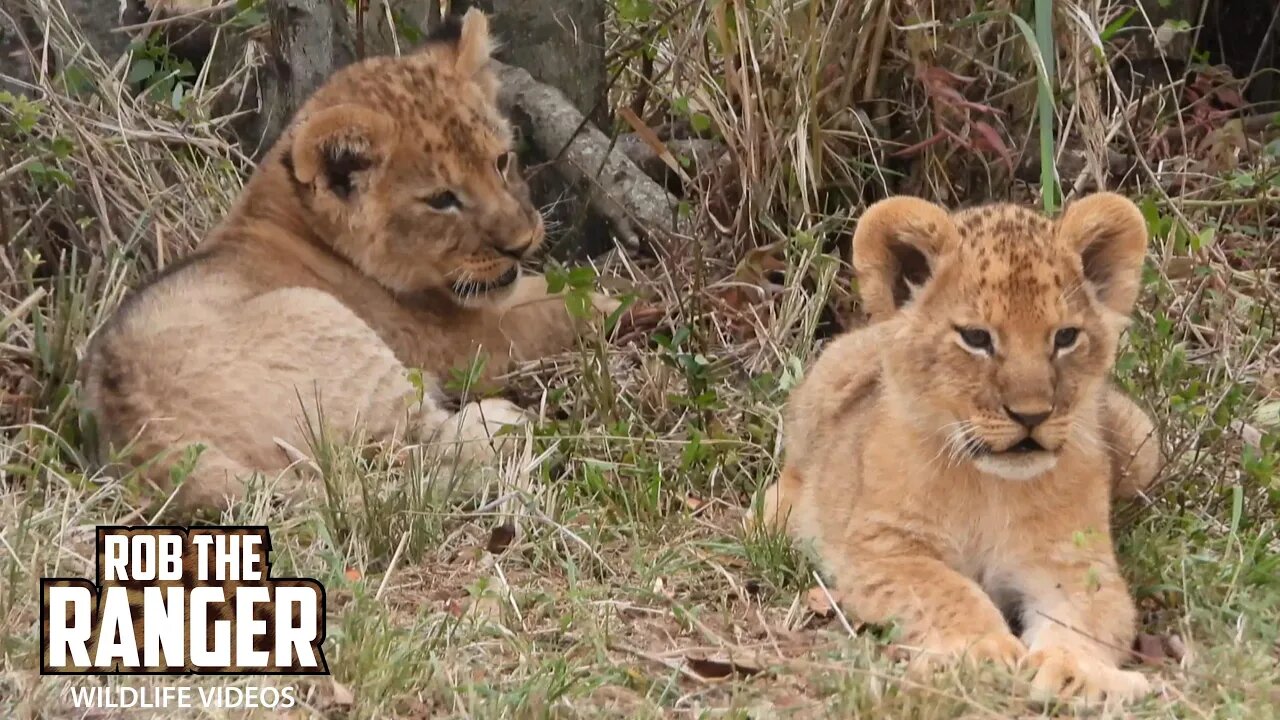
point(310, 40)
point(560, 42)
point(395, 27)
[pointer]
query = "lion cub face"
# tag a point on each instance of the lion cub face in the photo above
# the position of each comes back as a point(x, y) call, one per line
point(408, 168)
point(1008, 321)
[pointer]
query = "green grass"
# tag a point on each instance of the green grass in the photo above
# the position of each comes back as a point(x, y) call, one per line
point(629, 588)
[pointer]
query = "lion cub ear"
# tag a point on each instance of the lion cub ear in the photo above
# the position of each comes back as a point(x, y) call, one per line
point(466, 43)
point(1110, 235)
point(474, 45)
point(331, 148)
point(895, 250)
point(466, 38)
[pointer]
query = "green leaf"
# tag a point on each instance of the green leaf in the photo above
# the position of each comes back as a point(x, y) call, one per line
point(1204, 238)
point(556, 280)
point(1117, 25)
point(142, 70)
point(975, 18)
point(76, 80)
point(183, 468)
point(581, 276)
point(61, 147)
point(1042, 46)
point(578, 302)
point(612, 321)
point(1243, 181)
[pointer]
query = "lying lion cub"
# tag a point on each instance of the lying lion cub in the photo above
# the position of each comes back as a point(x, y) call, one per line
point(384, 231)
point(957, 457)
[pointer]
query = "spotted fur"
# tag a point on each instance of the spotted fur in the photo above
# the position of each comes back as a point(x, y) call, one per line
point(953, 462)
point(384, 231)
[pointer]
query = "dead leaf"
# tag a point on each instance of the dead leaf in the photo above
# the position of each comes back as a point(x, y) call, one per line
point(695, 504)
point(1179, 268)
point(500, 538)
point(724, 664)
point(454, 607)
point(818, 603)
point(650, 138)
point(986, 138)
point(485, 601)
point(762, 266)
point(1267, 415)
point(1149, 649)
point(342, 694)
point(1156, 650)
point(660, 588)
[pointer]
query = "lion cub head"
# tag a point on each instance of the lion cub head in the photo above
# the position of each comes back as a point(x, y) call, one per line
point(1007, 322)
point(405, 166)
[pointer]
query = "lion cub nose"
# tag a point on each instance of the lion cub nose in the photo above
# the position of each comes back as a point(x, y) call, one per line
point(1028, 419)
point(515, 253)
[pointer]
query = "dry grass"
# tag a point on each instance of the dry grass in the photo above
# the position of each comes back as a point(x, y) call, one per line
point(628, 589)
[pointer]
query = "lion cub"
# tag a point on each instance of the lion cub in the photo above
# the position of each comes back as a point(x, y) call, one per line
point(384, 231)
point(957, 457)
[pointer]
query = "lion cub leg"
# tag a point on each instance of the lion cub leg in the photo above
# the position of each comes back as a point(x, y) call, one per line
point(1080, 622)
point(887, 576)
point(775, 506)
point(286, 368)
point(1132, 442)
point(535, 322)
point(478, 437)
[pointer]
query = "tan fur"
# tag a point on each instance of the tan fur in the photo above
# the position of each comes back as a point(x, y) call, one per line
point(341, 265)
point(894, 467)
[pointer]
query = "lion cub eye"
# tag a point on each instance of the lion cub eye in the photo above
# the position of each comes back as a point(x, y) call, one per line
point(1065, 338)
point(976, 338)
point(444, 201)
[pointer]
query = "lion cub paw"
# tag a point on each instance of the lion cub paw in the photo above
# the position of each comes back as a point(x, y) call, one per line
point(473, 434)
point(1002, 648)
point(1062, 674)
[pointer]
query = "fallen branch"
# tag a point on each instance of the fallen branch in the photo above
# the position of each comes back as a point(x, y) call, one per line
point(699, 153)
point(616, 188)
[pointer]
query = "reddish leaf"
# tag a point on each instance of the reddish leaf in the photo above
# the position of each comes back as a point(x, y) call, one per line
point(922, 145)
point(988, 139)
point(941, 76)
